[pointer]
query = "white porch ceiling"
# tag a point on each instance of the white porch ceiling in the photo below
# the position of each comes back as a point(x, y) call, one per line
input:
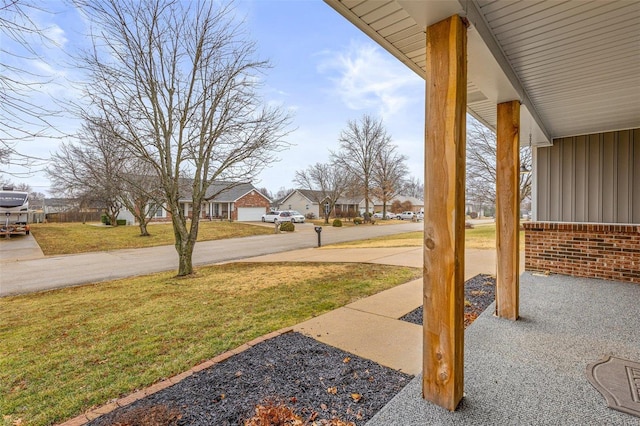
point(574, 64)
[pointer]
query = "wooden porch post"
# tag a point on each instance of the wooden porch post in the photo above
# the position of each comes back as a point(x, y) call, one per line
point(507, 209)
point(445, 145)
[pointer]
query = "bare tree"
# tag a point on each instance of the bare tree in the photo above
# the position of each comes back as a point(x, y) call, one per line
point(327, 182)
point(177, 81)
point(21, 118)
point(481, 166)
point(140, 192)
point(283, 192)
point(360, 143)
point(91, 169)
point(413, 187)
point(265, 191)
point(388, 175)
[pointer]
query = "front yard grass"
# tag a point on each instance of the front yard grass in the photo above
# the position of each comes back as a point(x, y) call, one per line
point(70, 238)
point(347, 222)
point(480, 237)
point(65, 351)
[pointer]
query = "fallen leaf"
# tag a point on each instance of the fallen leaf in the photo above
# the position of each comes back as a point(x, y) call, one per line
point(346, 360)
point(356, 397)
point(332, 390)
point(324, 407)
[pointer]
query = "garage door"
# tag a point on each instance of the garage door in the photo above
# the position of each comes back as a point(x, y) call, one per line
point(250, 214)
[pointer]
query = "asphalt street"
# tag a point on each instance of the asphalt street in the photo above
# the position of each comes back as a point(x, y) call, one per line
point(20, 275)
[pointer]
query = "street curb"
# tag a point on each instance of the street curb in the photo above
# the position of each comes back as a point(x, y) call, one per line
point(94, 413)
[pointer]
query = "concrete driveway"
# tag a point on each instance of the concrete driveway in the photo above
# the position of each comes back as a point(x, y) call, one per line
point(22, 247)
point(62, 271)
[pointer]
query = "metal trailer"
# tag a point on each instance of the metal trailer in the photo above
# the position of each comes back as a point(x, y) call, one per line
point(14, 212)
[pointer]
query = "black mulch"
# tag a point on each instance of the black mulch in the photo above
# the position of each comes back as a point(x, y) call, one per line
point(306, 375)
point(479, 292)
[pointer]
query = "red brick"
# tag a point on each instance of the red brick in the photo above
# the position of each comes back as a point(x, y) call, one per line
point(594, 250)
point(81, 420)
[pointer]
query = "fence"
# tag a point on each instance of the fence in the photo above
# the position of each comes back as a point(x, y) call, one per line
point(72, 216)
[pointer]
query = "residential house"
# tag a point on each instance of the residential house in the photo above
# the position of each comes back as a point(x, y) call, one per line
point(417, 204)
point(350, 207)
point(308, 201)
point(241, 202)
point(305, 201)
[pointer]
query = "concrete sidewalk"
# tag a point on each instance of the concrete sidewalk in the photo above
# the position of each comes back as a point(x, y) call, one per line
point(370, 327)
point(476, 261)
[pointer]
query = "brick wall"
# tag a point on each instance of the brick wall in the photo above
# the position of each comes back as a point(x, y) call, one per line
point(252, 199)
point(610, 252)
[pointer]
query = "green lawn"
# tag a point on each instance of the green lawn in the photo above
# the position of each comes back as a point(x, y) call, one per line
point(69, 238)
point(65, 351)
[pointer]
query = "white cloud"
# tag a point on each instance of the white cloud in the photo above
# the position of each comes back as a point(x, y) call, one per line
point(366, 78)
point(56, 35)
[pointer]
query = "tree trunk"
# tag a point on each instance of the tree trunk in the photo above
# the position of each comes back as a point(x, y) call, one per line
point(184, 247)
point(186, 242)
point(143, 229)
point(185, 264)
point(113, 218)
point(384, 208)
point(366, 197)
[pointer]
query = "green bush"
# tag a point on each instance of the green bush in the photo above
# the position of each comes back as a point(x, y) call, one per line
point(287, 227)
point(337, 223)
point(105, 219)
point(357, 220)
point(121, 222)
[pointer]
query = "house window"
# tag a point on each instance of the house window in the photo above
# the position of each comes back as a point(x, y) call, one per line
point(156, 211)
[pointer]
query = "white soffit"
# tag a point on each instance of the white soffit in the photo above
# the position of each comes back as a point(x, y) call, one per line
point(573, 64)
point(579, 61)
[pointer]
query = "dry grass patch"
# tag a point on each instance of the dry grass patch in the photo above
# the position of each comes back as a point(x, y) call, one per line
point(67, 350)
point(70, 238)
point(480, 237)
point(407, 239)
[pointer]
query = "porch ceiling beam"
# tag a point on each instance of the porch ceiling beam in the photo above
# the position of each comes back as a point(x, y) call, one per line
point(476, 18)
point(444, 183)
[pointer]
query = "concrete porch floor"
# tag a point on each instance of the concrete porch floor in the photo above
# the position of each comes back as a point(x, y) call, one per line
point(533, 371)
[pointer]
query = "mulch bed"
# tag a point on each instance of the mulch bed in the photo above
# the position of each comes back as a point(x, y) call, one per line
point(317, 381)
point(306, 381)
point(479, 293)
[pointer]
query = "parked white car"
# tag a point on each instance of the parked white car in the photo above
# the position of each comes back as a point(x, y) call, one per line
point(406, 216)
point(379, 215)
point(283, 216)
point(296, 216)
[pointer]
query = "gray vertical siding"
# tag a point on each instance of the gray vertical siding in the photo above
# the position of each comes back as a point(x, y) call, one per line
point(591, 178)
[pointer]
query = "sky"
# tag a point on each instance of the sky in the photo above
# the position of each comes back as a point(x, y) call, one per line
point(325, 72)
